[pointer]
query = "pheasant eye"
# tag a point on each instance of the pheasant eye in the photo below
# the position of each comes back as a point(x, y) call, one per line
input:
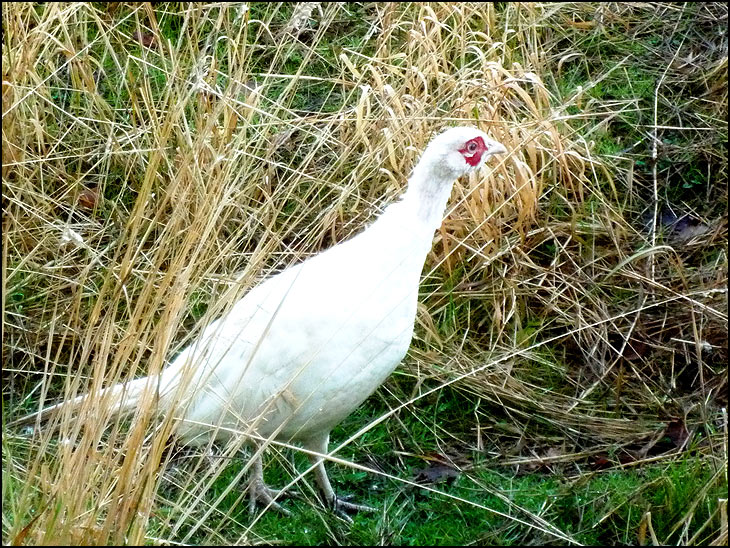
point(471, 147)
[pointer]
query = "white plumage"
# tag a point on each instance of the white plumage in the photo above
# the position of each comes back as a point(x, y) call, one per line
point(303, 349)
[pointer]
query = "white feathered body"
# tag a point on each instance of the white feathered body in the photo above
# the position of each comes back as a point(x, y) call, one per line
point(302, 350)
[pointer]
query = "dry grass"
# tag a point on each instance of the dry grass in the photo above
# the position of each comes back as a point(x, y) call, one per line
point(150, 181)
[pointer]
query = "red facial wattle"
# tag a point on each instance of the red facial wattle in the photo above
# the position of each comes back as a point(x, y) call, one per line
point(473, 151)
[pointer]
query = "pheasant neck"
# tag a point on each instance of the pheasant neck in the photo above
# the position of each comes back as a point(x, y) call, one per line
point(428, 192)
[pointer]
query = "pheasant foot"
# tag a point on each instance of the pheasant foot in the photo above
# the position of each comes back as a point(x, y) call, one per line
point(341, 505)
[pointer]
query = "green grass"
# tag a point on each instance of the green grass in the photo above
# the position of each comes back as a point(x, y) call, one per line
point(487, 503)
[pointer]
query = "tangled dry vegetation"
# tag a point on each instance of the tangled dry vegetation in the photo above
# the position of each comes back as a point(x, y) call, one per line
point(160, 161)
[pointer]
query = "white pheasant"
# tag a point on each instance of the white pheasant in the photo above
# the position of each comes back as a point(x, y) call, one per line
point(303, 349)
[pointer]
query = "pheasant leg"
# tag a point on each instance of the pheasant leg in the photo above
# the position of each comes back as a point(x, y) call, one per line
point(262, 493)
point(340, 505)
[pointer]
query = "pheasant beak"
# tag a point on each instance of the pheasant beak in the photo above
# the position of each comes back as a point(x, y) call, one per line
point(496, 148)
